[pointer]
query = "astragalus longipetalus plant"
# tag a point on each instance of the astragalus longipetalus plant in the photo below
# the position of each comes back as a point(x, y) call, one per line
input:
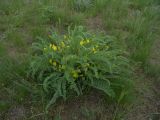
point(70, 63)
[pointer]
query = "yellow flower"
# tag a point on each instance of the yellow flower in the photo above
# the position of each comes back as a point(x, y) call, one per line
point(63, 67)
point(50, 45)
point(55, 63)
point(82, 42)
point(58, 48)
point(49, 36)
point(60, 68)
point(45, 49)
point(87, 64)
point(65, 37)
point(50, 61)
point(62, 44)
point(88, 41)
point(94, 50)
point(54, 47)
point(75, 74)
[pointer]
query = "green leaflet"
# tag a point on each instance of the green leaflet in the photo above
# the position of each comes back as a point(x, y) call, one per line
point(46, 83)
point(52, 101)
point(103, 85)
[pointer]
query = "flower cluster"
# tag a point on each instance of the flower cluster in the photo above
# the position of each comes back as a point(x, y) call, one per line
point(83, 42)
point(61, 46)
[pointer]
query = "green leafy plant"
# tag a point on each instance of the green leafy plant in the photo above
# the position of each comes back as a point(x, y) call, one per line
point(78, 60)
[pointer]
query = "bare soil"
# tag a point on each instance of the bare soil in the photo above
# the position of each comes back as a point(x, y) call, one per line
point(147, 106)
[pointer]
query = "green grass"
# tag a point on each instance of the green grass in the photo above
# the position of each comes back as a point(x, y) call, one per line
point(135, 24)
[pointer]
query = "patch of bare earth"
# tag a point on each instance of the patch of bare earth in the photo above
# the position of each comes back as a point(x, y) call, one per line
point(147, 105)
point(16, 113)
point(95, 24)
point(87, 107)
